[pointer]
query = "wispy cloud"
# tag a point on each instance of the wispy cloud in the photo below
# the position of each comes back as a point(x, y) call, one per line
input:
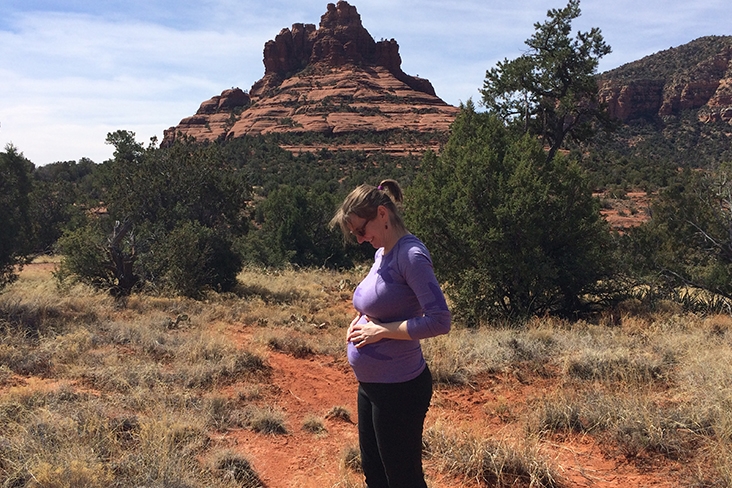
point(74, 70)
point(82, 76)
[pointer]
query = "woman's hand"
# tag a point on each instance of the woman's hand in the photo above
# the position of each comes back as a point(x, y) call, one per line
point(373, 331)
point(350, 327)
point(367, 333)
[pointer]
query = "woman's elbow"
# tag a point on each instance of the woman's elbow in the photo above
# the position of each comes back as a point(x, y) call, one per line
point(445, 323)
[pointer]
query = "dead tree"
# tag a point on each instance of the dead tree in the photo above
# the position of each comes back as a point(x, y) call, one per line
point(121, 261)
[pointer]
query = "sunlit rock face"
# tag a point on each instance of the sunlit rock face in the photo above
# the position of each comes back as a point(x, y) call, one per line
point(696, 76)
point(333, 79)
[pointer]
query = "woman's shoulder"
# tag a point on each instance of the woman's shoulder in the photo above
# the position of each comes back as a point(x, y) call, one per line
point(413, 248)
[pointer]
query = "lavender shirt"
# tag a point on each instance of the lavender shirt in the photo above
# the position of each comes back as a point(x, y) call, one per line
point(400, 286)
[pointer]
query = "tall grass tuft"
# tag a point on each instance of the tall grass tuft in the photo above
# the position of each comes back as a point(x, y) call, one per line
point(489, 462)
point(237, 468)
point(265, 420)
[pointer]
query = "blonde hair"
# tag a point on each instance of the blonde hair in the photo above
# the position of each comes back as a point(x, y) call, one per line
point(364, 202)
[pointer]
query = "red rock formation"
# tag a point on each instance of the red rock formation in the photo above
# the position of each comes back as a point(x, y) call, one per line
point(340, 40)
point(628, 100)
point(334, 79)
point(228, 100)
point(703, 83)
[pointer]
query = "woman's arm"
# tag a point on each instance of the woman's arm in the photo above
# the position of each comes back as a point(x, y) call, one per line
point(435, 320)
point(420, 276)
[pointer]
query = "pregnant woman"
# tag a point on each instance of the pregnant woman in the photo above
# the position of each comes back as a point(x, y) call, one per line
point(397, 304)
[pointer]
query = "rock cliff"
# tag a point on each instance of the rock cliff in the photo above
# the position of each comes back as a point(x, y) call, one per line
point(334, 79)
point(696, 76)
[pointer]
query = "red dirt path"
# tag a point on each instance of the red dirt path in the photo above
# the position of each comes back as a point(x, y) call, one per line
point(312, 386)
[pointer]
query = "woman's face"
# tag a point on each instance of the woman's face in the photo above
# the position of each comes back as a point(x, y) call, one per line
point(363, 230)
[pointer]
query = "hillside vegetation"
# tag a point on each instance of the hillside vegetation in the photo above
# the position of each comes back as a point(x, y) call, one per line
point(674, 63)
point(674, 106)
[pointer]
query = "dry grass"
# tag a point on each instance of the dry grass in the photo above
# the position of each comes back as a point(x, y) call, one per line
point(238, 469)
point(490, 462)
point(339, 413)
point(314, 425)
point(93, 393)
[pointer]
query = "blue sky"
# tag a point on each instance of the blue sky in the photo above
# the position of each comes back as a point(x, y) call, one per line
point(74, 70)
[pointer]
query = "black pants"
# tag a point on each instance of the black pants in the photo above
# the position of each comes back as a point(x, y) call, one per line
point(390, 422)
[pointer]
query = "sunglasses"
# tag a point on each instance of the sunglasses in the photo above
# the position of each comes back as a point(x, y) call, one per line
point(361, 231)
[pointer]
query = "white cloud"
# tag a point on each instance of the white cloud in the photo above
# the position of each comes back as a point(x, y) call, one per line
point(74, 70)
point(69, 79)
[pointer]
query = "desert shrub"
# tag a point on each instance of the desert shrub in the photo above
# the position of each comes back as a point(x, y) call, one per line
point(190, 259)
point(84, 256)
point(314, 425)
point(511, 234)
point(239, 469)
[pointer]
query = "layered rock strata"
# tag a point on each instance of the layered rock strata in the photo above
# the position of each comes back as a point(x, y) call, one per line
point(334, 79)
point(700, 79)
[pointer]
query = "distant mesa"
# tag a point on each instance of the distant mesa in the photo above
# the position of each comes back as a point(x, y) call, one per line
point(332, 80)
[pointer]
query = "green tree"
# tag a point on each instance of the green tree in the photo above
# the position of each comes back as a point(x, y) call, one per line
point(186, 206)
point(85, 255)
point(15, 236)
point(511, 234)
point(551, 91)
point(192, 259)
point(688, 241)
point(294, 229)
point(63, 192)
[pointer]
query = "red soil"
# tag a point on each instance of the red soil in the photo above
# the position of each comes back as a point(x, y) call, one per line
point(489, 408)
point(624, 213)
point(312, 386)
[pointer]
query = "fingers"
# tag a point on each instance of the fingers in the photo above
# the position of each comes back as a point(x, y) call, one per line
point(355, 335)
point(355, 320)
point(351, 328)
point(358, 333)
